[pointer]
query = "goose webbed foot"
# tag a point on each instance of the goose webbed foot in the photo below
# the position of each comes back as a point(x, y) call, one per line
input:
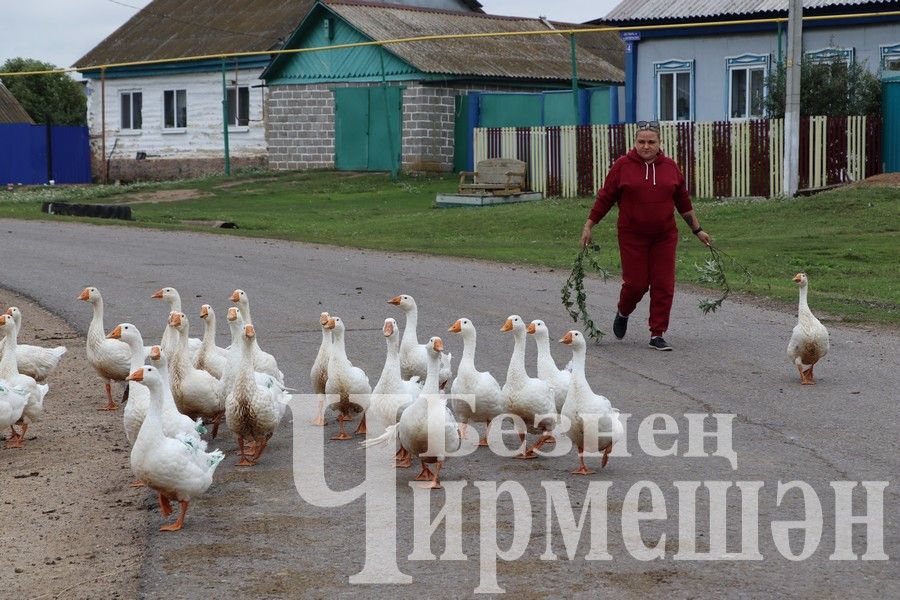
point(177, 525)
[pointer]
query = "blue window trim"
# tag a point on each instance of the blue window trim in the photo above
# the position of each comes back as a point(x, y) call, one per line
point(827, 55)
point(675, 65)
point(741, 62)
point(889, 52)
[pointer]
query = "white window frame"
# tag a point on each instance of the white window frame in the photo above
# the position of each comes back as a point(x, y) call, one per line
point(830, 55)
point(890, 53)
point(174, 128)
point(130, 128)
point(674, 67)
point(234, 125)
point(747, 63)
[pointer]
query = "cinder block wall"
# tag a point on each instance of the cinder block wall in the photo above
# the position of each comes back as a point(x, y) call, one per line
point(300, 126)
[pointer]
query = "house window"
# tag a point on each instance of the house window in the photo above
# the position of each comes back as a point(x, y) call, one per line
point(175, 109)
point(674, 90)
point(890, 58)
point(747, 85)
point(131, 109)
point(239, 106)
point(831, 55)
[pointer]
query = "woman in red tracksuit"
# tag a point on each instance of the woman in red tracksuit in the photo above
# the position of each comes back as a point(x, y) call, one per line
point(647, 186)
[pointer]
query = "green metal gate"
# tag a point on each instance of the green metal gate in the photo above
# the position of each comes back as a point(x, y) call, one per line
point(891, 109)
point(367, 128)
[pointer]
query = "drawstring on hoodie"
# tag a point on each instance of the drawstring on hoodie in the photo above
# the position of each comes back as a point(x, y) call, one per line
point(647, 166)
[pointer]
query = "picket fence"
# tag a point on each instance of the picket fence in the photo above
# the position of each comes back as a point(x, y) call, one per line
point(718, 159)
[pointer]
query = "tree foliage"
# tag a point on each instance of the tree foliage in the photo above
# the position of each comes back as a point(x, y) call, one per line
point(55, 98)
point(829, 89)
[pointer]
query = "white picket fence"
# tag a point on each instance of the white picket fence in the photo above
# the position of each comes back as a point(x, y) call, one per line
point(553, 154)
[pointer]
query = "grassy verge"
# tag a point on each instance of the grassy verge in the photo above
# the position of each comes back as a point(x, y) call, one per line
point(846, 240)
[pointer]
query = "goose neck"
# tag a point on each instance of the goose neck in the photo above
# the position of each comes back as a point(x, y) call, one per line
point(470, 342)
point(95, 329)
point(410, 336)
point(517, 362)
point(803, 305)
point(8, 365)
point(544, 358)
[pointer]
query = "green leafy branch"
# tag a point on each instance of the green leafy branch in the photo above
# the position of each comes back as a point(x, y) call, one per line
point(574, 298)
point(712, 272)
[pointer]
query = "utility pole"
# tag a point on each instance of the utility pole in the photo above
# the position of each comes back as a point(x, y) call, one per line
point(791, 174)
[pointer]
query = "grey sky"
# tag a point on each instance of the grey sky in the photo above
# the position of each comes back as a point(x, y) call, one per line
point(62, 31)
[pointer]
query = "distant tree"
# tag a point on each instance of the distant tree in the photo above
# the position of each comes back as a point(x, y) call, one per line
point(57, 98)
point(830, 89)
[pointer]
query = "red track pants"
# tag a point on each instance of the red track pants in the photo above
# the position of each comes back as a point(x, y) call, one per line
point(648, 261)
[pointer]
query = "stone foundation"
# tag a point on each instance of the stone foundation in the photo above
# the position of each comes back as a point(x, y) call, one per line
point(171, 169)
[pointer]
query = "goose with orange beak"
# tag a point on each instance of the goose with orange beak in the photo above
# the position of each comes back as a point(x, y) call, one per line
point(529, 398)
point(15, 385)
point(110, 358)
point(319, 372)
point(169, 340)
point(138, 395)
point(594, 424)
point(809, 340)
point(427, 428)
point(479, 386)
point(393, 394)
point(262, 361)
point(209, 357)
point(36, 362)
point(252, 411)
point(413, 355)
point(196, 392)
point(177, 470)
point(546, 366)
point(348, 383)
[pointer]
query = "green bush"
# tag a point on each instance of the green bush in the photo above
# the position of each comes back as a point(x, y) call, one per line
point(830, 89)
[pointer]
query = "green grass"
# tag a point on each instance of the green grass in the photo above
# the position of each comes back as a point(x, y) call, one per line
point(846, 240)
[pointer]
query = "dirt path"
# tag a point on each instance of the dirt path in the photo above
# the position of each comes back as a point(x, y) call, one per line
point(71, 527)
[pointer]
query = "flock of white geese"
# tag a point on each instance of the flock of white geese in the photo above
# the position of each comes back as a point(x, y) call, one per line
point(180, 389)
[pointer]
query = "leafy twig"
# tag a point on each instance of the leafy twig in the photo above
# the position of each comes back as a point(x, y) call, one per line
point(713, 273)
point(574, 286)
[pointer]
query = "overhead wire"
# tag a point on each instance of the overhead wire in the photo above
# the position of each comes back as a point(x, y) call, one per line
point(456, 36)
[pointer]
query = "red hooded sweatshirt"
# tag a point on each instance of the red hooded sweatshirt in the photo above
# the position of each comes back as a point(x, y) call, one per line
point(646, 193)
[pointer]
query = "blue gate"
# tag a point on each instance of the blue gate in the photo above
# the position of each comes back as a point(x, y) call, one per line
point(35, 154)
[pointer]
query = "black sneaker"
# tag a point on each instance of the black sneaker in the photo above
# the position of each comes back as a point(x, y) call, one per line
point(657, 343)
point(620, 326)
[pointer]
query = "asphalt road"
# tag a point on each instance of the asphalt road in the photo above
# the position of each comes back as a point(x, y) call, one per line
point(253, 534)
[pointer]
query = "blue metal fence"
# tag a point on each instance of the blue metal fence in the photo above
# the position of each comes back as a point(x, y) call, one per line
point(35, 154)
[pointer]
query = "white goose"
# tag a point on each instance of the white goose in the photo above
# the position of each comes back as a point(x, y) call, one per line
point(110, 358)
point(531, 399)
point(587, 412)
point(177, 469)
point(319, 372)
point(138, 395)
point(233, 359)
point(209, 357)
point(393, 394)
point(252, 411)
point(480, 385)
point(546, 366)
point(349, 383)
point(429, 412)
point(34, 361)
point(809, 340)
point(413, 356)
point(196, 392)
point(262, 361)
point(34, 392)
point(170, 338)
point(12, 403)
point(174, 423)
